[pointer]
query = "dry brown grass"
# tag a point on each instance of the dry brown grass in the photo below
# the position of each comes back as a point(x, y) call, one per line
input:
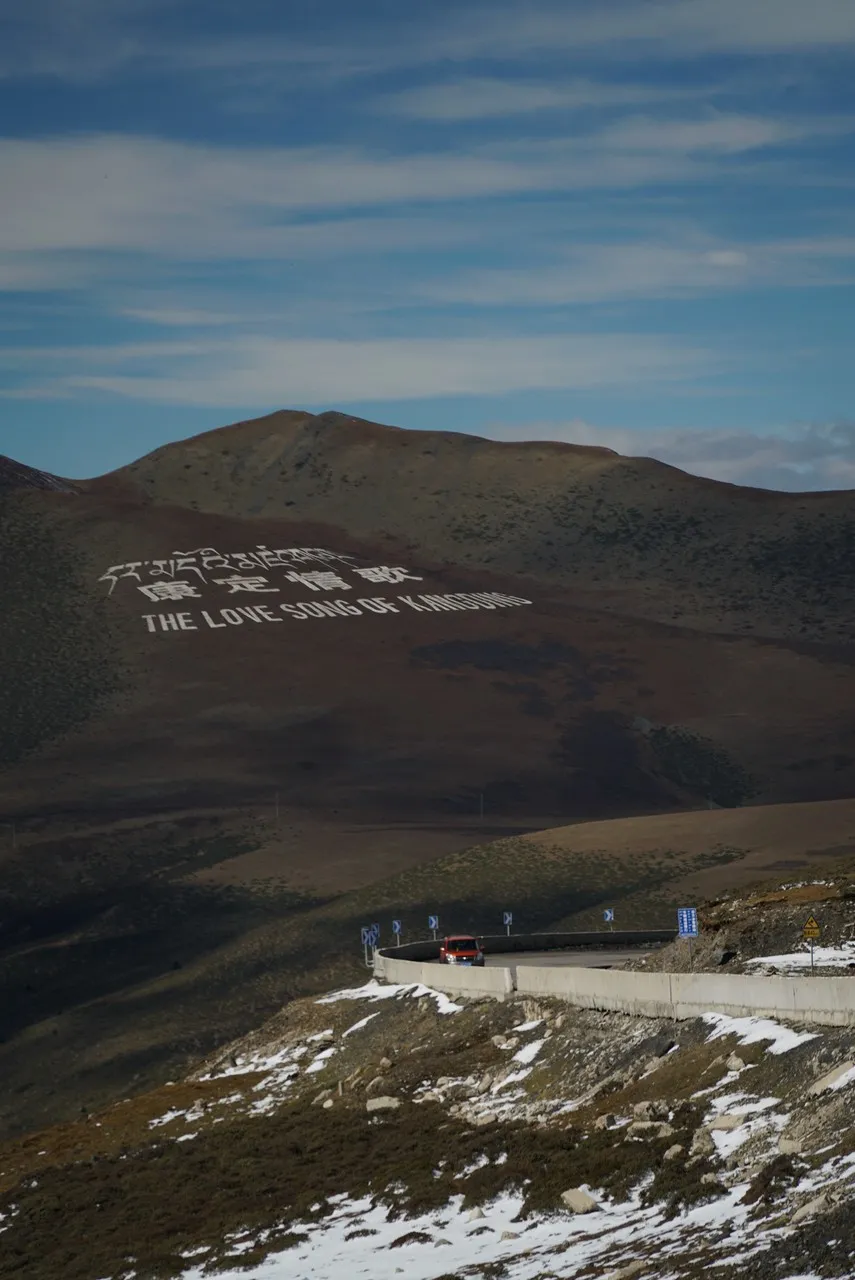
point(87, 1218)
point(116, 1131)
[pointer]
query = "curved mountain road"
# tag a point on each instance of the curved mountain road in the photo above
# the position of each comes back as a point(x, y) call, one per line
point(587, 957)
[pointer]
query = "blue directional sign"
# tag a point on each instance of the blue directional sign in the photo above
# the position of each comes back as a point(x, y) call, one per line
point(433, 922)
point(366, 934)
point(396, 928)
point(375, 928)
point(609, 915)
point(687, 922)
point(508, 917)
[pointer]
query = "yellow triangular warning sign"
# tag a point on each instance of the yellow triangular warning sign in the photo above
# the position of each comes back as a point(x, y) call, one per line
point(811, 923)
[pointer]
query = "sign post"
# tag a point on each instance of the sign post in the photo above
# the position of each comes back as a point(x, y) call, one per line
point(687, 927)
point(370, 938)
point(609, 917)
point(507, 920)
point(396, 929)
point(811, 932)
point(433, 925)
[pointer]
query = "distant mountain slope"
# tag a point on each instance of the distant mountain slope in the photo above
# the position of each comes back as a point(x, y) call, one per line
point(630, 535)
point(14, 475)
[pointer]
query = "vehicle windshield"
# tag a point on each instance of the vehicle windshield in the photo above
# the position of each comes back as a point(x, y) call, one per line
point(461, 944)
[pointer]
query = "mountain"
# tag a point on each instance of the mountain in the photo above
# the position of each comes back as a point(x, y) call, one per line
point(294, 657)
point(628, 535)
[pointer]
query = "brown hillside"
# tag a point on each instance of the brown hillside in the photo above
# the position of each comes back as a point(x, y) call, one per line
point(629, 535)
point(14, 475)
point(188, 767)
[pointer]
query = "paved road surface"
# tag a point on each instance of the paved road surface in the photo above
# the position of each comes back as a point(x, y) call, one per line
point(593, 959)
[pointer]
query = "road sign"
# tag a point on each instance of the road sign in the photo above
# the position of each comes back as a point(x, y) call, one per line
point(396, 928)
point(811, 932)
point(508, 917)
point(433, 922)
point(609, 915)
point(366, 934)
point(687, 922)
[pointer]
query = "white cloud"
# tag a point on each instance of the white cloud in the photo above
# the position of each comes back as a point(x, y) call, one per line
point(644, 27)
point(485, 97)
point(178, 318)
point(119, 353)
point(33, 273)
point(133, 194)
point(120, 193)
point(129, 193)
point(88, 40)
point(807, 457)
point(603, 272)
point(717, 132)
point(264, 371)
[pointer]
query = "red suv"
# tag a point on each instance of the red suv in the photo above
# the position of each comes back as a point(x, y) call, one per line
point(461, 948)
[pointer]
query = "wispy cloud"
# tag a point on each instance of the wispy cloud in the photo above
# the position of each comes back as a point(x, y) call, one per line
point(88, 39)
point(494, 97)
point(263, 372)
point(178, 318)
point(669, 27)
point(351, 204)
point(807, 457)
point(602, 272)
point(119, 194)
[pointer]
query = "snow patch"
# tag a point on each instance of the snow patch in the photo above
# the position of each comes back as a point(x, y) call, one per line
point(754, 1030)
point(847, 1078)
point(528, 1052)
point(320, 1061)
point(357, 1026)
point(798, 961)
point(374, 991)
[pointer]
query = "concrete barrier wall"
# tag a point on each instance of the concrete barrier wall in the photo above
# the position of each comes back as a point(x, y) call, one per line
point(823, 1001)
point(445, 977)
point(820, 1001)
point(649, 994)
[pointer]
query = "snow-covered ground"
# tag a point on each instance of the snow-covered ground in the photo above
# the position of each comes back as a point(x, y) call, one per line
point(451, 1239)
point(798, 961)
point(357, 1239)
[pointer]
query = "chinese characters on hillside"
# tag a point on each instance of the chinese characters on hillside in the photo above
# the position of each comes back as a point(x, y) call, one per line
point(205, 562)
point(266, 573)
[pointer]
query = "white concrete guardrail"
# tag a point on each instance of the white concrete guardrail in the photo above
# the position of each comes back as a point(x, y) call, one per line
point(823, 1001)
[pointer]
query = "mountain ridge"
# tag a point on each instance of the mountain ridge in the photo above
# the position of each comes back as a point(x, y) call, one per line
point(631, 535)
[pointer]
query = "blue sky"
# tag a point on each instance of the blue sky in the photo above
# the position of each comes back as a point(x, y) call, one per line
point(621, 222)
